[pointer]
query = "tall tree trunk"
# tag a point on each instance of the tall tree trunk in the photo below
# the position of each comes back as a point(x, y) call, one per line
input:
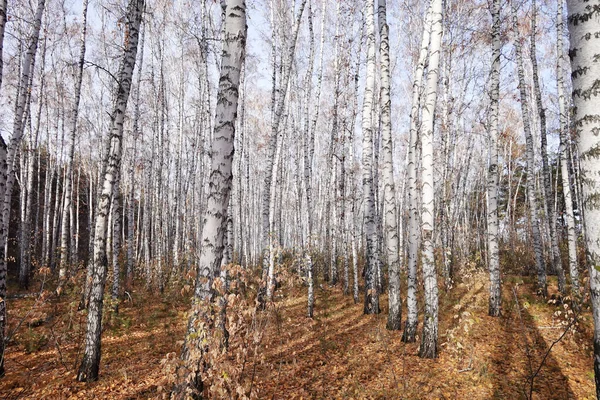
point(371, 305)
point(7, 157)
point(390, 216)
point(531, 192)
point(492, 181)
point(429, 340)
point(90, 365)
point(564, 156)
point(548, 206)
point(2, 26)
point(87, 285)
point(308, 152)
point(28, 159)
point(3, 271)
point(276, 143)
point(68, 204)
point(131, 172)
point(215, 216)
point(117, 223)
point(74, 246)
point(583, 26)
point(410, 329)
point(28, 153)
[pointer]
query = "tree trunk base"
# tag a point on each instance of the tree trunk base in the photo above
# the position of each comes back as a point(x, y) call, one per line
point(88, 371)
point(410, 333)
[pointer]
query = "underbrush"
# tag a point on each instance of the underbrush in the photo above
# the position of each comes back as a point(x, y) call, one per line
point(278, 352)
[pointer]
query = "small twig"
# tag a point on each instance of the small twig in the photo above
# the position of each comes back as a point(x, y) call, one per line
point(103, 69)
point(550, 349)
point(470, 366)
point(60, 354)
point(532, 374)
point(130, 298)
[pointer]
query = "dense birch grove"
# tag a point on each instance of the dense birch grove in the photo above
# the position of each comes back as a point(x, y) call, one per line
point(385, 149)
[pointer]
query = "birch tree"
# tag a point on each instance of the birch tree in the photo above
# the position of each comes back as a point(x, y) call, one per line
point(8, 156)
point(492, 183)
point(390, 216)
point(3, 18)
point(429, 340)
point(371, 305)
point(90, 365)
point(308, 160)
point(410, 329)
point(584, 23)
point(531, 192)
point(68, 204)
point(549, 209)
point(275, 145)
point(563, 151)
point(215, 216)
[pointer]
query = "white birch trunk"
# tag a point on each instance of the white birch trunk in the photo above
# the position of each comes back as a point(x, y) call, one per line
point(390, 215)
point(117, 223)
point(308, 149)
point(563, 151)
point(273, 163)
point(556, 260)
point(492, 179)
point(7, 156)
point(215, 216)
point(90, 365)
point(131, 172)
point(585, 50)
point(68, 204)
point(410, 329)
point(429, 340)
point(2, 28)
point(371, 305)
point(531, 192)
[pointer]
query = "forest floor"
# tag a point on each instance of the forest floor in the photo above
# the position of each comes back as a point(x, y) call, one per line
point(340, 354)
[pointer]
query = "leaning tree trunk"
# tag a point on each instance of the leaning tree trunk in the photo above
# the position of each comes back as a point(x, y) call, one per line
point(7, 157)
point(531, 193)
point(556, 260)
point(410, 328)
point(90, 365)
point(429, 340)
point(585, 50)
point(215, 216)
point(492, 182)
point(564, 162)
point(390, 217)
point(68, 204)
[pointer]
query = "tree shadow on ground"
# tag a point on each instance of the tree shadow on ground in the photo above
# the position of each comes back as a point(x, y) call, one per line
point(519, 348)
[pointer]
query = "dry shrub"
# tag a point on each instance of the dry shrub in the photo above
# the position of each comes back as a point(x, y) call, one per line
point(224, 343)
